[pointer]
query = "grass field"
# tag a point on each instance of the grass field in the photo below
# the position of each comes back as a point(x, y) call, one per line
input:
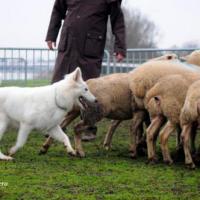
point(101, 175)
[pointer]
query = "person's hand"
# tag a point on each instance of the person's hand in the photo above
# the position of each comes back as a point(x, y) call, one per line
point(119, 57)
point(51, 45)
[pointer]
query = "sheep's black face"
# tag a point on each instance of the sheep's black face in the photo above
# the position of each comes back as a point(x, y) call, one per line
point(92, 113)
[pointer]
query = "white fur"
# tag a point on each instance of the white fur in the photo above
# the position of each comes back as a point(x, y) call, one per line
point(41, 108)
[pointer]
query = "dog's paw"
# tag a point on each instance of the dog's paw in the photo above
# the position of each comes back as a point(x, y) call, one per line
point(72, 153)
point(7, 158)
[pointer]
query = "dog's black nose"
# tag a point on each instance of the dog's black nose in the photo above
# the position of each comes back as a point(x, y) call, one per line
point(96, 101)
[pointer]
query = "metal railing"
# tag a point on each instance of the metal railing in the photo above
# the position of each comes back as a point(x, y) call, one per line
point(35, 65)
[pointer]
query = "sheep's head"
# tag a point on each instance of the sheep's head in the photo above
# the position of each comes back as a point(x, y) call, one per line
point(92, 113)
point(153, 105)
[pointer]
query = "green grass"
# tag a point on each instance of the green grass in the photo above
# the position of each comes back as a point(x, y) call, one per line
point(101, 175)
point(29, 83)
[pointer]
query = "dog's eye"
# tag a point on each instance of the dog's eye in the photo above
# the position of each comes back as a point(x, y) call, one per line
point(86, 89)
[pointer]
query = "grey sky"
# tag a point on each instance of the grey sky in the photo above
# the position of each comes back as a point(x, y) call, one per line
point(23, 23)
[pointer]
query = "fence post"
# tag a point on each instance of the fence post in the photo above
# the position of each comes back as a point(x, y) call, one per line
point(25, 71)
point(108, 61)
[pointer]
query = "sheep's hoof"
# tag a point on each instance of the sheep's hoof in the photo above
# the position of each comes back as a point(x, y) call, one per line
point(152, 161)
point(106, 147)
point(190, 165)
point(133, 155)
point(80, 154)
point(168, 162)
point(196, 158)
point(42, 151)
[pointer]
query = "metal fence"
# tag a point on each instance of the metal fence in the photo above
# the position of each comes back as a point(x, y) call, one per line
point(35, 65)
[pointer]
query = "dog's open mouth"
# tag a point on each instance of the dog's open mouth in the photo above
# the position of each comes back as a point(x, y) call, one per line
point(83, 102)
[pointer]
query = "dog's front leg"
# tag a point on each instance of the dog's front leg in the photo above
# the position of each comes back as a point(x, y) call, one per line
point(58, 134)
point(68, 119)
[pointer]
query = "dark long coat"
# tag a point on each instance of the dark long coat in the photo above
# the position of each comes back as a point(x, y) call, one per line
point(83, 34)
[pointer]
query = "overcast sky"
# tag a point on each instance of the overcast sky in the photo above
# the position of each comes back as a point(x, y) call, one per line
point(23, 23)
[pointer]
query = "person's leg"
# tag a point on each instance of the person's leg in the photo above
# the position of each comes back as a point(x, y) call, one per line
point(61, 67)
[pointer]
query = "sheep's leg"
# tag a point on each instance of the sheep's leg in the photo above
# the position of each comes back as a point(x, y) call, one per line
point(78, 129)
point(179, 154)
point(48, 142)
point(151, 132)
point(142, 145)
point(178, 138)
point(135, 132)
point(164, 135)
point(110, 133)
point(185, 135)
point(193, 137)
point(69, 118)
point(46, 145)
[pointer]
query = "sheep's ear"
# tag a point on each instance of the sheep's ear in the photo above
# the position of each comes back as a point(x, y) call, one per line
point(157, 100)
point(77, 74)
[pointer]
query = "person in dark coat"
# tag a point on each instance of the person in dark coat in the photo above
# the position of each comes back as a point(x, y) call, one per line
point(83, 35)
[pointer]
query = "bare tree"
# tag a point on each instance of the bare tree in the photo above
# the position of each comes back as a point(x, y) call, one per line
point(191, 44)
point(141, 32)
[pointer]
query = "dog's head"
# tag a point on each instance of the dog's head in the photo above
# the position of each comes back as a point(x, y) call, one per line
point(81, 90)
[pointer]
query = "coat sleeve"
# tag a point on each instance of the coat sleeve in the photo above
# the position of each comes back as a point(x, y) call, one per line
point(118, 26)
point(57, 15)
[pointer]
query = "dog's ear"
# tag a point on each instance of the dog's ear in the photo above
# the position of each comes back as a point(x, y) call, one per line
point(77, 74)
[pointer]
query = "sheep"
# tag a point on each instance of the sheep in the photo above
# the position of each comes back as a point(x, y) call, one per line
point(189, 117)
point(96, 86)
point(165, 99)
point(192, 58)
point(138, 117)
point(114, 97)
point(166, 57)
point(142, 79)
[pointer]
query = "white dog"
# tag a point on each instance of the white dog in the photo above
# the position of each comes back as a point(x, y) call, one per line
point(41, 108)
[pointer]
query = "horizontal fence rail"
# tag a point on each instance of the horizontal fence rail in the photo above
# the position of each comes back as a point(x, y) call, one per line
point(35, 65)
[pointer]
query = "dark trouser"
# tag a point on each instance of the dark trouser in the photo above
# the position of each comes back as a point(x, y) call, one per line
point(66, 64)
